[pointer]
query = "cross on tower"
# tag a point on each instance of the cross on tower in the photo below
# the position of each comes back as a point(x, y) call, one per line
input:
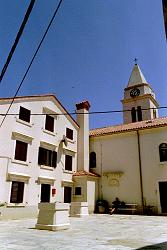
point(135, 60)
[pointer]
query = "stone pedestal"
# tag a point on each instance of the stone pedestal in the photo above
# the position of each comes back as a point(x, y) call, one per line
point(53, 216)
point(79, 209)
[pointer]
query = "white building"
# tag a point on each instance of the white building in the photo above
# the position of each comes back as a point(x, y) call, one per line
point(44, 154)
point(132, 158)
point(36, 162)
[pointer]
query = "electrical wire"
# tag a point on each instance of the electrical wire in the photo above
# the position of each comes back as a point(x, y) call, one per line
point(28, 12)
point(90, 113)
point(31, 62)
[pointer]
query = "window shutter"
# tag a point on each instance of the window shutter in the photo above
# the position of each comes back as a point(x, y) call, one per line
point(69, 133)
point(21, 151)
point(20, 192)
point(47, 157)
point(24, 114)
point(49, 123)
point(54, 159)
point(14, 191)
point(40, 156)
point(17, 192)
point(68, 162)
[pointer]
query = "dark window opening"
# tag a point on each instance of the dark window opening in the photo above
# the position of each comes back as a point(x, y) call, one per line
point(139, 113)
point(92, 162)
point(133, 114)
point(21, 151)
point(49, 123)
point(163, 198)
point(24, 114)
point(47, 157)
point(163, 152)
point(17, 191)
point(154, 114)
point(78, 191)
point(45, 193)
point(68, 162)
point(69, 133)
point(67, 194)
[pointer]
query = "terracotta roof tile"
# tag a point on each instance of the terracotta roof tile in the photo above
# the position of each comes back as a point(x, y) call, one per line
point(148, 124)
point(84, 173)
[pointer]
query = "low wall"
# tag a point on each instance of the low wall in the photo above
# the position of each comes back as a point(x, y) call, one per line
point(18, 212)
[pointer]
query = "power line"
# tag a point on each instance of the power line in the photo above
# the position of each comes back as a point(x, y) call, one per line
point(31, 62)
point(28, 12)
point(90, 113)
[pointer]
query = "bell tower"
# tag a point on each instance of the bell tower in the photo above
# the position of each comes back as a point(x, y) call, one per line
point(139, 101)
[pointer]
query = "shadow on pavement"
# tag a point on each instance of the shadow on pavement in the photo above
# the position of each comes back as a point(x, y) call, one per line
point(159, 246)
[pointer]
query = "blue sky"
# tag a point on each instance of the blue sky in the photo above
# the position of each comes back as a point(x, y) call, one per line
point(88, 53)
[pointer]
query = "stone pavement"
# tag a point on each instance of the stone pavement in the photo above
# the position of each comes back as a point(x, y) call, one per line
point(93, 232)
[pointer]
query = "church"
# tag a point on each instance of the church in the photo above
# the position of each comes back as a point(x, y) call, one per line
point(47, 156)
point(131, 158)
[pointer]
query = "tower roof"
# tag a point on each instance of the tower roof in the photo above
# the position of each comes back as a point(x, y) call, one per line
point(136, 77)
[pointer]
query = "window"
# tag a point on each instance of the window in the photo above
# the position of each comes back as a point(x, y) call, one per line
point(154, 114)
point(78, 191)
point(24, 114)
point(45, 193)
point(69, 133)
point(163, 152)
point(92, 162)
point(68, 162)
point(49, 123)
point(17, 192)
point(133, 114)
point(21, 151)
point(139, 113)
point(67, 194)
point(47, 157)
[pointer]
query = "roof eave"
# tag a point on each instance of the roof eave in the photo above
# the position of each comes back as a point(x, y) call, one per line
point(129, 130)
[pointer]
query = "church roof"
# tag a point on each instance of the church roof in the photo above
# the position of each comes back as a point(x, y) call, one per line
point(148, 124)
point(136, 77)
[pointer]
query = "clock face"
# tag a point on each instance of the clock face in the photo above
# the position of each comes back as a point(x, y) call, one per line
point(134, 92)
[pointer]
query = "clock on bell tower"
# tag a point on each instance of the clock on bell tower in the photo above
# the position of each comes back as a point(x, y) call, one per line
point(139, 101)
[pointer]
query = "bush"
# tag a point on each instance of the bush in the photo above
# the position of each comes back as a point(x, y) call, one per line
point(102, 203)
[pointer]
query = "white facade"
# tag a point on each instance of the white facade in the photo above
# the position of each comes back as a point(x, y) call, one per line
point(118, 164)
point(128, 161)
point(28, 171)
point(132, 157)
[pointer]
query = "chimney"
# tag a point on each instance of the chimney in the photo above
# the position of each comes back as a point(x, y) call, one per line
point(83, 135)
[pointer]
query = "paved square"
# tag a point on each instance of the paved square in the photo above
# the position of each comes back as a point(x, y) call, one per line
point(92, 232)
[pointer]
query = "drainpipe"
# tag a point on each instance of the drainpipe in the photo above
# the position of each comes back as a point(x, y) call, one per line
point(101, 170)
point(140, 171)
